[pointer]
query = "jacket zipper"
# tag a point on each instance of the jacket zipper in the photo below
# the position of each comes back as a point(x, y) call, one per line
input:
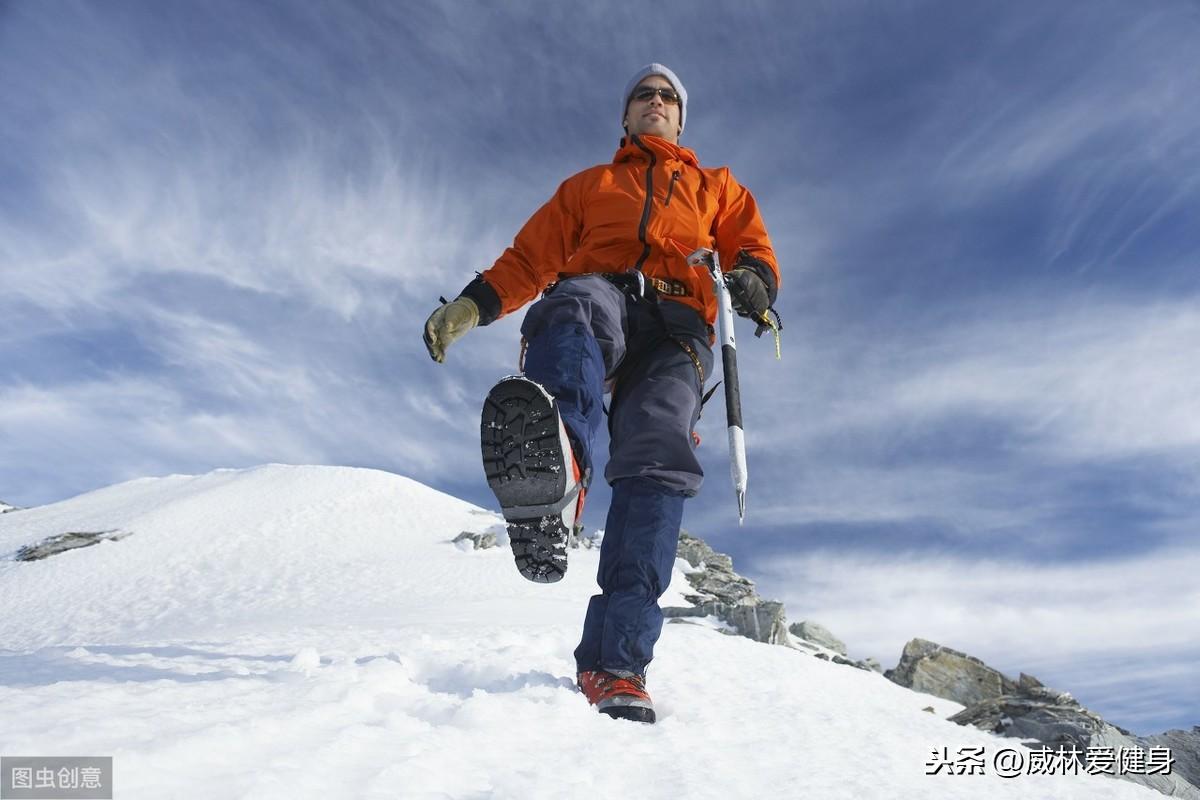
point(671, 187)
point(646, 207)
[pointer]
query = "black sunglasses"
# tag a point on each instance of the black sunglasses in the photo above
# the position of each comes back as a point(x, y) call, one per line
point(645, 93)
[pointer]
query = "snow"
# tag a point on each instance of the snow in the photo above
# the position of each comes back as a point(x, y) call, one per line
point(294, 632)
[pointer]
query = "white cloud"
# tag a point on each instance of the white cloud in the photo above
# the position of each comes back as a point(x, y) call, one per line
point(1107, 381)
point(981, 419)
point(288, 226)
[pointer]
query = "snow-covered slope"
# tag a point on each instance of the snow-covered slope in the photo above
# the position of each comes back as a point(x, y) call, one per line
point(312, 632)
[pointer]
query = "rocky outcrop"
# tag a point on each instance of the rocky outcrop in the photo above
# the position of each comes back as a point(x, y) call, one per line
point(933, 669)
point(1185, 746)
point(817, 639)
point(720, 592)
point(765, 621)
point(1046, 715)
point(1027, 710)
point(67, 541)
point(5, 507)
point(1058, 721)
point(817, 634)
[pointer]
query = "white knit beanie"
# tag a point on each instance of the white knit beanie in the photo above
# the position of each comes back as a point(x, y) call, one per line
point(672, 78)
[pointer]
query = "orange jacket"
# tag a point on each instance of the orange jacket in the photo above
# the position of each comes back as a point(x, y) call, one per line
point(649, 209)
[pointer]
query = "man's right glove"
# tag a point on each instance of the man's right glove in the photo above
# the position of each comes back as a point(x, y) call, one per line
point(748, 293)
point(447, 324)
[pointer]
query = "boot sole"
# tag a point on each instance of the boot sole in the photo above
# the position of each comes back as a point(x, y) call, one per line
point(526, 468)
point(631, 713)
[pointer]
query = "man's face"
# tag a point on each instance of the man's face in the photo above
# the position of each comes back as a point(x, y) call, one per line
point(653, 116)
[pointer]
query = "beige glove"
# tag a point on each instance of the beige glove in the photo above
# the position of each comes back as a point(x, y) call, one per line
point(447, 324)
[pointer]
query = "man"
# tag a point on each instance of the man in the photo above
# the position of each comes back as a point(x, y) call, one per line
point(622, 311)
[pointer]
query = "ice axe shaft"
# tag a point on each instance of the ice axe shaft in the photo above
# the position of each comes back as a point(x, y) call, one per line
point(733, 398)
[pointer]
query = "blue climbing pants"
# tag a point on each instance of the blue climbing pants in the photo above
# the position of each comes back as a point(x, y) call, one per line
point(588, 334)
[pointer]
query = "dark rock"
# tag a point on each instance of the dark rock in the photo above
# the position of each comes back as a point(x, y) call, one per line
point(1185, 748)
point(720, 592)
point(697, 553)
point(869, 665)
point(940, 671)
point(1034, 713)
point(763, 622)
point(1056, 720)
point(67, 541)
point(5, 507)
point(1028, 682)
point(715, 582)
point(813, 632)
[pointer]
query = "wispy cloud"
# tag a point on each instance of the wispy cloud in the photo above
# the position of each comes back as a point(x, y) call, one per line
point(1106, 381)
point(985, 419)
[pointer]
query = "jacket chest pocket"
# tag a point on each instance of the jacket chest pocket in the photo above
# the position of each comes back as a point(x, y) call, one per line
point(687, 210)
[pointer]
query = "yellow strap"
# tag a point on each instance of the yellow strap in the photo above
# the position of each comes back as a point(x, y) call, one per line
point(765, 319)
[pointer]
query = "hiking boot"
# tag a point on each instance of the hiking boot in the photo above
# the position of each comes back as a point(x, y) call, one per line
point(620, 695)
point(531, 468)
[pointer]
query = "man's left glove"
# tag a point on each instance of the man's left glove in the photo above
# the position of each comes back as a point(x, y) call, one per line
point(447, 324)
point(748, 293)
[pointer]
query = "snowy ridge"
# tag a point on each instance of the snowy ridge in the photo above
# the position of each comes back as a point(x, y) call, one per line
point(312, 632)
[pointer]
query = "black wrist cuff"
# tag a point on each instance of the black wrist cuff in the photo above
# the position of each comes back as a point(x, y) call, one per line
point(760, 268)
point(485, 298)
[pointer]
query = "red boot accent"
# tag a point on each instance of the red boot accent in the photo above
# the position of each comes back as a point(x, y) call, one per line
point(617, 696)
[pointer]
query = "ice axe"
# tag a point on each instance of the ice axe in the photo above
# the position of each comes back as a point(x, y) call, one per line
point(733, 397)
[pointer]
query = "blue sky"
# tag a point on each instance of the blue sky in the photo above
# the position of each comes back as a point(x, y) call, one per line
point(223, 224)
